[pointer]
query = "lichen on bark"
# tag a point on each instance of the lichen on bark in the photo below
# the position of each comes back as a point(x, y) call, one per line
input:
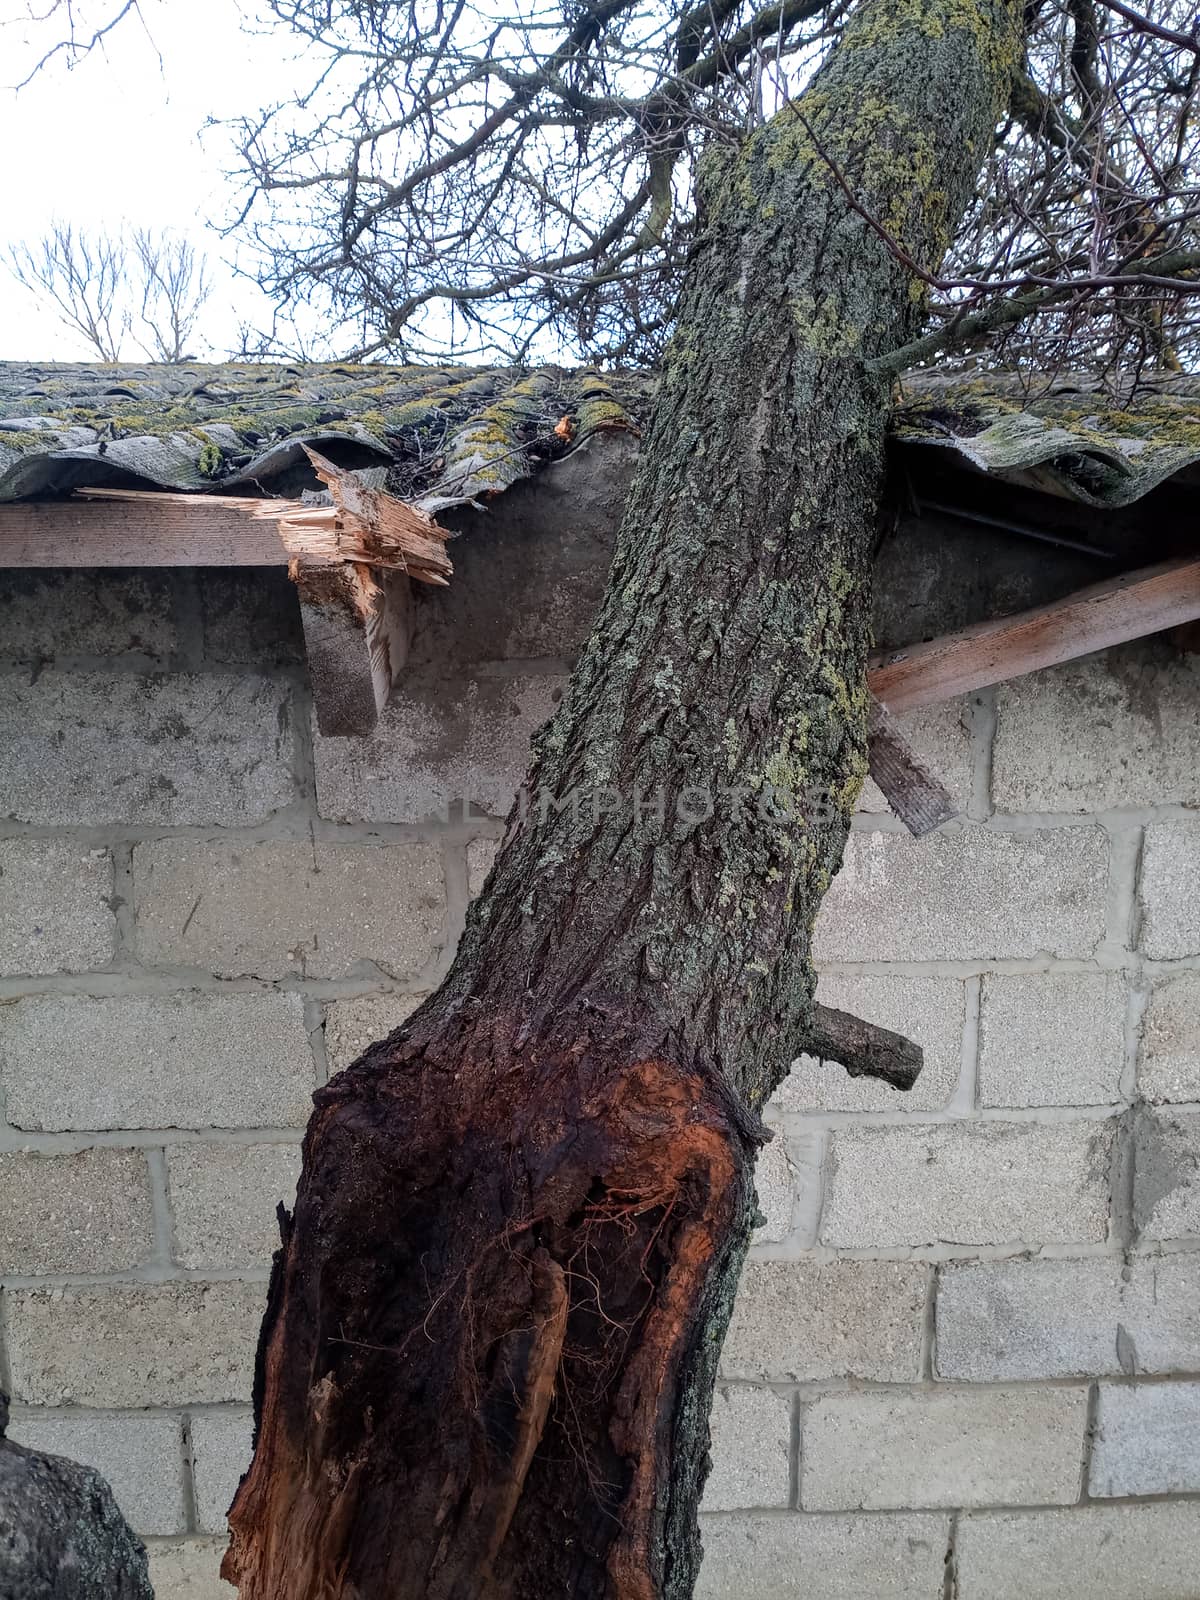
point(581, 1095)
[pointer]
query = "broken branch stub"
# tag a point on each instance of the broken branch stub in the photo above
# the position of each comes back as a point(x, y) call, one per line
point(865, 1049)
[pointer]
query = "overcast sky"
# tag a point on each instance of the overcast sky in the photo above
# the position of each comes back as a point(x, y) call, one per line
point(118, 138)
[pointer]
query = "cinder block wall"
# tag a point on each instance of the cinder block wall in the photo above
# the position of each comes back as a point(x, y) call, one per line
point(966, 1355)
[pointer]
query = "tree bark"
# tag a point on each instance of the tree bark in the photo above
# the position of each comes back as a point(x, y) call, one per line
point(494, 1325)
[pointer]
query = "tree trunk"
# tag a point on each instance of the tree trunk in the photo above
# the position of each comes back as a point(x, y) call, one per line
point(494, 1325)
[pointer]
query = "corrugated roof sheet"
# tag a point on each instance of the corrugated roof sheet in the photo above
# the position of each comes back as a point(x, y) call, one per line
point(448, 435)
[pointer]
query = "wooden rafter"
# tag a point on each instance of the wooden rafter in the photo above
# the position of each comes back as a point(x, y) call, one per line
point(1150, 600)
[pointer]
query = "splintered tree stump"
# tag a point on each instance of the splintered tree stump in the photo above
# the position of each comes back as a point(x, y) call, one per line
point(494, 1325)
point(61, 1535)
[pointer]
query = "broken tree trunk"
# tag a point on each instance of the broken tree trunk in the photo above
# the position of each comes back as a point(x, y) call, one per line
point(494, 1325)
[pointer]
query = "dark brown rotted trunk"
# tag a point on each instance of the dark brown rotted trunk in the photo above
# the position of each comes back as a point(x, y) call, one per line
point(495, 1322)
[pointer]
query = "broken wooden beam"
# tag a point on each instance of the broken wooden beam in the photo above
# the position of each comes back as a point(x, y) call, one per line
point(356, 632)
point(145, 529)
point(1150, 600)
point(913, 790)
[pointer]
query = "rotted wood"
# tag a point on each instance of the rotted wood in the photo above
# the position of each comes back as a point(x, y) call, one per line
point(61, 1535)
point(913, 790)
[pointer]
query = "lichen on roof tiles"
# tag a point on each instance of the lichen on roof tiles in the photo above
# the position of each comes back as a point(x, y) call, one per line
point(455, 434)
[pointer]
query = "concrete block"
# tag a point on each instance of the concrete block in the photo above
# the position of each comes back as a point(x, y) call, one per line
point(1145, 1552)
point(156, 1061)
point(1169, 1063)
point(189, 1569)
point(224, 1199)
point(275, 910)
point(799, 1320)
point(529, 572)
point(941, 736)
point(90, 1212)
point(793, 1557)
point(140, 1456)
point(251, 616)
point(966, 896)
point(1166, 1174)
point(481, 854)
point(55, 907)
point(968, 1183)
point(929, 1011)
point(1118, 729)
point(788, 1181)
point(85, 749)
point(66, 611)
point(1147, 1440)
point(1052, 1039)
point(221, 1450)
point(879, 1451)
point(166, 1344)
point(439, 743)
point(999, 1320)
point(1169, 902)
point(937, 574)
point(352, 1025)
point(751, 1450)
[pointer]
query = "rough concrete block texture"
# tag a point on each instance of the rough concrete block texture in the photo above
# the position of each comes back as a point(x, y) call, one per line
point(792, 1557)
point(1144, 1552)
point(751, 1450)
point(189, 1569)
point(1052, 1039)
point(276, 910)
point(156, 1061)
point(85, 1213)
point(1166, 1174)
point(1118, 729)
point(165, 1344)
point(84, 749)
point(436, 745)
point(941, 736)
point(481, 854)
point(787, 1180)
point(998, 1320)
point(221, 1447)
point(140, 1456)
point(78, 612)
point(224, 1201)
point(929, 1011)
point(529, 572)
point(352, 1025)
point(1169, 1063)
point(879, 1451)
point(55, 910)
point(968, 1183)
point(800, 1320)
point(251, 616)
point(1169, 901)
point(1147, 1440)
point(968, 895)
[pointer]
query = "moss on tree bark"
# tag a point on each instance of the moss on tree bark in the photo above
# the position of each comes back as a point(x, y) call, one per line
point(495, 1322)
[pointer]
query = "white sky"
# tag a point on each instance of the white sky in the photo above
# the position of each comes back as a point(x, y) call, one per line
point(118, 138)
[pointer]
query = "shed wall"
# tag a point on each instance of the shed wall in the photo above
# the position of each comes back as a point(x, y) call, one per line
point(966, 1354)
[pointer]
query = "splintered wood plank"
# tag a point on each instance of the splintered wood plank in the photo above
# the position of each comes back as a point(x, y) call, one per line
point(915, 793)
point(356, 631)
point(141, 530)
point(1150, 600)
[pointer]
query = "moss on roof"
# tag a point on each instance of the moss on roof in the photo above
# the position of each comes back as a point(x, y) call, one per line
point(454, 434)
